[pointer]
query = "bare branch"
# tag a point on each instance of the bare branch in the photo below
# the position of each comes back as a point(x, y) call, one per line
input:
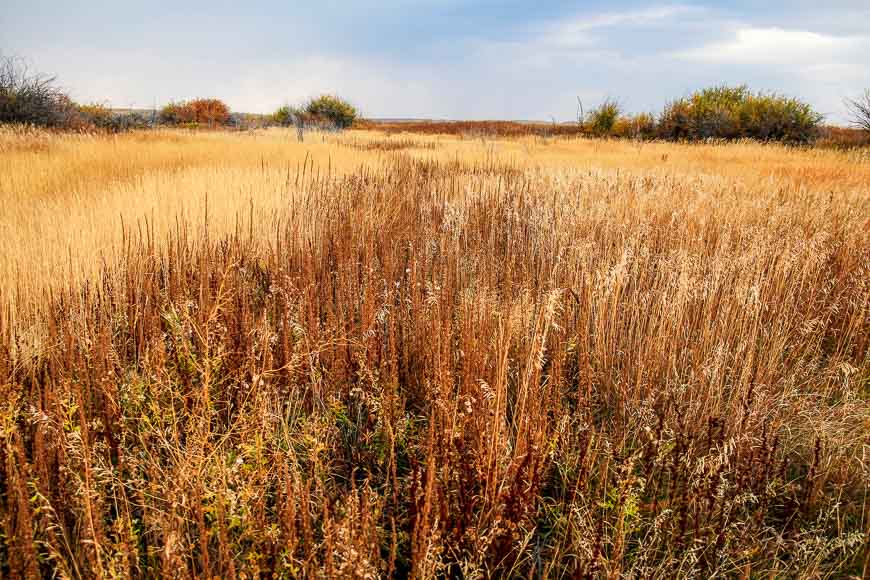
point(31, 98)
point(860, 110)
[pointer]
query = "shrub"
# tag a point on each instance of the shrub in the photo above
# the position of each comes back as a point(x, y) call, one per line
point(603, 119)
point(645, 125)
point(735, 113)
point(177, 114)
point(716, 111)
point(32, 98)
point(286, 116)
point(777, 118)
point(209, 112)
point(333, 109)
point(859, 110)
point(640, 126)
point(102, 118)
point(675, 122)
point(96, 115)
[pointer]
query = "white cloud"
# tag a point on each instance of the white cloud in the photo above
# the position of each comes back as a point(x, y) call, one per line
point(642, 57)
point(777, 46)
point(574, 32)
point(580, 40)
point(529, 76)
point(819, 67)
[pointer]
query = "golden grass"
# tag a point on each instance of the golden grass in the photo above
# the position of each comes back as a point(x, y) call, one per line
point(416, 355)
point(64, 199)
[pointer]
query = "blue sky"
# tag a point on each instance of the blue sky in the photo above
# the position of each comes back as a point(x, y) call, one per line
point(507, 59)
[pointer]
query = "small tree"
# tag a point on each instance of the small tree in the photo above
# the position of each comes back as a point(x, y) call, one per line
point(177, 114)
point(641, 126)
point(286, 116)
point(33, 98)
point(716, 111)
point(333, 109)
point(211, 112)
point(859, 109)
point(675, 122)
point(603, 119)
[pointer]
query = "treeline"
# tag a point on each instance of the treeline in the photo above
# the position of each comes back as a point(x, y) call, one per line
point(721, 113)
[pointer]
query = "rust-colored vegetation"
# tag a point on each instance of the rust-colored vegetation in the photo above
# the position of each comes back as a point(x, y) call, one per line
point(206, 112)
point(445, 362)
point(473, 129)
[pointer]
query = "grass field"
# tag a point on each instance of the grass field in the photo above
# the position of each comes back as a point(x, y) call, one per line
point(369, 354)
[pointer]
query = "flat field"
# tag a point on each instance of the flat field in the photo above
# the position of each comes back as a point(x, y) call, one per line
point(367, 355)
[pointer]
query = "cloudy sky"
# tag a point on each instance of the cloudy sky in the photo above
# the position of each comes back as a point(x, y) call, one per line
point(508, 59)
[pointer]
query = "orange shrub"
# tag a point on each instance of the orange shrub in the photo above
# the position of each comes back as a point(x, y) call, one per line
point(209, 112)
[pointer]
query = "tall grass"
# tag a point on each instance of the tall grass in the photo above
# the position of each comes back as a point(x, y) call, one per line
point(444, 364)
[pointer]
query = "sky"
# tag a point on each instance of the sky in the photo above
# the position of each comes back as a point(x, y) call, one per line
point(445, 59)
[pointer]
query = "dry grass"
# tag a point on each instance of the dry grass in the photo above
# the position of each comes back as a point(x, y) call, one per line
point(440, 357)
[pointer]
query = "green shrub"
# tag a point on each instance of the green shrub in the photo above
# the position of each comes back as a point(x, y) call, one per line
point(736, 113)
point(778, 118)
point(286, 116)
point(332, 109)
point(602, 120)
point(716, 111)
